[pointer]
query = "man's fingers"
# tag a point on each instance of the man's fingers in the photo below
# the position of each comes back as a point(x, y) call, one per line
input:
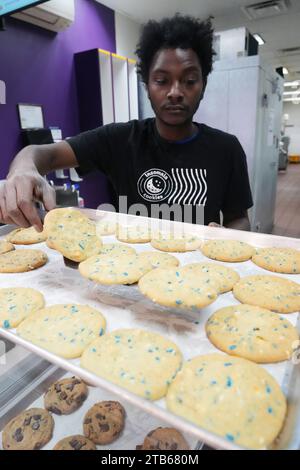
point(214, 224)
point(4, 217)
point(12, 210)
point(27, 206)
point(17, 197)
point(48, 197)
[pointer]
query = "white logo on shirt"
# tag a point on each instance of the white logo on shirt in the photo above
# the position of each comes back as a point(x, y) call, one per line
point(190, 186)
point(155, 185)
point(185, 186)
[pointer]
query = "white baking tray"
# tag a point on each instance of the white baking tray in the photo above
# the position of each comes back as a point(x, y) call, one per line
point(125, 307)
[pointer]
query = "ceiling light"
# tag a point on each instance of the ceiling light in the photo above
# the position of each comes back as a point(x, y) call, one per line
point(259, 39)
point(285, 71)
point(292, 100)
point(294, 84)
point(291, 93)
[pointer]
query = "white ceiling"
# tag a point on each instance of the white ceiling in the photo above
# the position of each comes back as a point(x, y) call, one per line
point(279, 32)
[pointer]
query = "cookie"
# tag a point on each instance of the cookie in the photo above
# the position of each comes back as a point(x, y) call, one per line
point(164, 439)
point(116, 249)
point(170, 242)
point(17, 303)
point(172, 288)
point(115, 269)
point(160, 260)
point(143, 362)
point(253, 333)
point(20, 261)
point(65, 396)
point(278, 260)
point(231, 397)
point(65, 330)
point(226, 277)
point(75, 442)
point(231, 251)
point(5, 247)
point(133, 234)
point(72, 234)
point(53, 217)
point(271, 292)
point(106, 227)
point(26, 236)
point(104, 422)
point(30, 430)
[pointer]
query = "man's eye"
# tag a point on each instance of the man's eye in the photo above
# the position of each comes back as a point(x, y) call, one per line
point(191, 81)
point(160, 81)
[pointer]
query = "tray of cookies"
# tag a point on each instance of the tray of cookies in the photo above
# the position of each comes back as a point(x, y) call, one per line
point(200, 328)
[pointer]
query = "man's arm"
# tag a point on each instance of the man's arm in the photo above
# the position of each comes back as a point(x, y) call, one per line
point(44, 158)
point(237, 193)
point(25, 183)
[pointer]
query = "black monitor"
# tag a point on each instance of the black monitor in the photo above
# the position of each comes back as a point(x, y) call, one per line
point(8, 7)
point(36, 136)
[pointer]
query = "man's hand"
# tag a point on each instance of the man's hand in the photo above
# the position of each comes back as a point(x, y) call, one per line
point(234, 221)
point(18, 195)
point(214, 224)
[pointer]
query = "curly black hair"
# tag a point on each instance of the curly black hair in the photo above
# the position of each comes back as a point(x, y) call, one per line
point(184, 32)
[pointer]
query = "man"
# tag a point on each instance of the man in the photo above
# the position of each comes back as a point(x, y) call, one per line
point(168, 161)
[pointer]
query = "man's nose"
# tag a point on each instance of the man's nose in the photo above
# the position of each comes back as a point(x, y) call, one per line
point(175, 92)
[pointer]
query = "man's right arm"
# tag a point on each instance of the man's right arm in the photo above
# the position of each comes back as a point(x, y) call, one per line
point(25, 183)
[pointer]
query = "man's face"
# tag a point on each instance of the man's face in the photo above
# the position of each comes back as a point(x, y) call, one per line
point(175, 85)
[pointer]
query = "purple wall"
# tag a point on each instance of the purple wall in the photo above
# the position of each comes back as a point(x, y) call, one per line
point(38, 67)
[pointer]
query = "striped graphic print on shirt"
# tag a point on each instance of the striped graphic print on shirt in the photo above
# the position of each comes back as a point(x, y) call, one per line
point(190, 186)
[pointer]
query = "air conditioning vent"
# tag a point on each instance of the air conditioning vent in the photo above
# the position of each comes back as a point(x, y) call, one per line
point(54, 15)
point(266, 9)
point(34, 14)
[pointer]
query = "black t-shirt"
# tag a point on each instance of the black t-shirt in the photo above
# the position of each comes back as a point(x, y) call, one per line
point(208, 170)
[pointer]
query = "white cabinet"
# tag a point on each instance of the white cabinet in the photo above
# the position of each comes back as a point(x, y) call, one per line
point(133, 90)
point(107, 99)
point(107, 88)
point(120, 81)
point(244, 98)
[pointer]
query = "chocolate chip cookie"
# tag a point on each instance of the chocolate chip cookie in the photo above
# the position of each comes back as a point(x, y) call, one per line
point(104, 422)
point(164, 439)
point(30, 430)
point(65, 396)
point(76, 442)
